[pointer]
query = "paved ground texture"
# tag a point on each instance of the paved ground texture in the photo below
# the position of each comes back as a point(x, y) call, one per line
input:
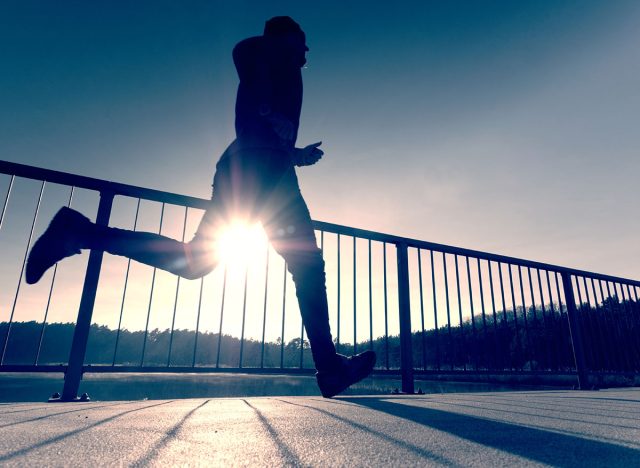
point(558, 428)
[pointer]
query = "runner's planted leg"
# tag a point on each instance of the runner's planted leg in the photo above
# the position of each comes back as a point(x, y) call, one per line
point(292, 235)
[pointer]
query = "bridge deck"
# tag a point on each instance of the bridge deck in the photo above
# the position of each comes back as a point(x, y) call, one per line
point(561, 428)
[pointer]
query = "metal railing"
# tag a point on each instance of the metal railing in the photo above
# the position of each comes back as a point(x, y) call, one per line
point(472, 312)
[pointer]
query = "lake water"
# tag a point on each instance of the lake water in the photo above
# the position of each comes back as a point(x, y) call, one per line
point(21, 387)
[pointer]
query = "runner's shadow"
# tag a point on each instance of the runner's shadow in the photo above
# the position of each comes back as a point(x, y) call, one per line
point(539, 445)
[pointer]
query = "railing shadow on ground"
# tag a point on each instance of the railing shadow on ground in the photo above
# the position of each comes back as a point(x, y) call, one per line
point(544, 446)
point(170, 435)
point(420, 451)
point(473, 313)
point(56, 439)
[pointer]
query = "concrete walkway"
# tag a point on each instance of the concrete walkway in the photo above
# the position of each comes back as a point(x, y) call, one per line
point(558, 428)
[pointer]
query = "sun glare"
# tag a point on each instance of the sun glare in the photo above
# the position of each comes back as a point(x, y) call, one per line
point(241, 243)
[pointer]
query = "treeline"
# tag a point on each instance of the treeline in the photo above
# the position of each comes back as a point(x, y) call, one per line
point(531, 340)
point(536, 339)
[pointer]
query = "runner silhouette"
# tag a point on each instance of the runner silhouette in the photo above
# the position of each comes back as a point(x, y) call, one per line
point(255, 180)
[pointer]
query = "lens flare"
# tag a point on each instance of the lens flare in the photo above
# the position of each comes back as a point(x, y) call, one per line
point(240, 243)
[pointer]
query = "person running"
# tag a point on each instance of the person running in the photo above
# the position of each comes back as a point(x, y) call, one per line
point(255, 180)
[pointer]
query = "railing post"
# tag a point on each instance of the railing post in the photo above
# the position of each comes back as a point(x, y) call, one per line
point(574, 329)
point(83, 324)
point(404, 307)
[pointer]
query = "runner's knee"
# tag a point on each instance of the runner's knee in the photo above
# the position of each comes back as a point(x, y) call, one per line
point(198, 261)
point(305, 264)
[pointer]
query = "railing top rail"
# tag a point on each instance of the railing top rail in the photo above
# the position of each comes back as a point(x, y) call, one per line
point(409, 242)
point(115, 188)
point(99, 185)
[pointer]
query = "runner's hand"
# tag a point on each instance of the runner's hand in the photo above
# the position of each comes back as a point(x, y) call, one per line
point(308, 155)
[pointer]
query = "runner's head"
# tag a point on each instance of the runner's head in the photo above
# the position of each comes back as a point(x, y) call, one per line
point(289, 35)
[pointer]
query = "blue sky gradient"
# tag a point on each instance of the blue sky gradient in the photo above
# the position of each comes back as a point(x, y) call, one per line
point(502, 126)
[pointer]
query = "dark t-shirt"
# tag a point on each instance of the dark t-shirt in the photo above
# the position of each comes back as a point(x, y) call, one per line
point(268, 84)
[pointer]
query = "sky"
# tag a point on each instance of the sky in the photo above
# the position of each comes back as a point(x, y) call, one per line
point(508, 127)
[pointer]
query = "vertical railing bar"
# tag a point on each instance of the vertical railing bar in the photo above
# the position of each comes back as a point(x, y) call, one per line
point(629, 326)
point(435, 311)
point(505, 317)
point(53, 281)
point(484, 317)
point(124, 292)
point(495, 318)
point(24, 261)
point(404, 318)
point(370, 299)
point(46, 313)
point(175, 301)
point(473, 313)
point(535, 326)
point(338, 305)
point(558, 293)
point(424, 351)
point(563, 322)
point(609, 292)
point(544, 319)
point(574, 327)
point(603, 327)
point(632, 325)
point(284, 308)
point(515, 313)
point(446, 295)
point(551, 306)
point(633, 321)
point(354, 297)
point(264, 310)
point(386, 322)
point(553, 322)
point(6, 200)
point(301, 345)
point(592, 331)
point(621, 319)
point(586, 290)
point(195, 342)
point(581, 322)
point(244, 312)
point(504, 305)
point(322, 246)
point(533, 298)
point(601, 294)
point(619, 296)
point(82, 329)
point(464, 360)
point(529, 355)
point(153, 281)
point(536, 323)
point(635, 294)
point(224, 294)
point(616, 322)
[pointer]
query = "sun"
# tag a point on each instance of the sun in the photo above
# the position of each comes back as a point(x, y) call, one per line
point(239, 243)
